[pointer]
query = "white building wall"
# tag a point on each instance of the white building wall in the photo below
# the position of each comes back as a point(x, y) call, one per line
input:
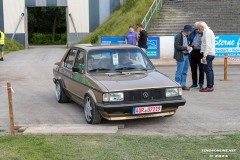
point(79, 10)
point(12, 12)
point(166, 46)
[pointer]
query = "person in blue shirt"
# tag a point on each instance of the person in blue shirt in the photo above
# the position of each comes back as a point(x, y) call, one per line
point(182, 49)
point(195, 39)
point(131, 36)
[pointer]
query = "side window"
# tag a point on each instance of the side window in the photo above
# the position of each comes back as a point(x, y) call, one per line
point(69, 61)
point(79, 59)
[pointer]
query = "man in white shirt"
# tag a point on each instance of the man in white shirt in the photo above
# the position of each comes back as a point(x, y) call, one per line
point(208, 51)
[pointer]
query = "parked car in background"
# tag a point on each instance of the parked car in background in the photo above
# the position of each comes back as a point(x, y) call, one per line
point(115, 82)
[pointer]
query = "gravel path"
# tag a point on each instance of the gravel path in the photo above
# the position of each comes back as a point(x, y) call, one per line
point(30, 72)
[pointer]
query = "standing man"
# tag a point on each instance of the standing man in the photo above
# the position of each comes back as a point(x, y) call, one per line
point(142, 37)
point(131, 36)
point(195, 58)
point(181, 54)
point(208, 51)
point(2, 42)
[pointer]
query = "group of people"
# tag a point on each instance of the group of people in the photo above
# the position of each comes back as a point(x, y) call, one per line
point(192, 45)
point(197, 47)
point(138, 38)
point(2, 36)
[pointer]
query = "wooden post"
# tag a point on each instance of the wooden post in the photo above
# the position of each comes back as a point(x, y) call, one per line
point(225, 67)
point(9, 88)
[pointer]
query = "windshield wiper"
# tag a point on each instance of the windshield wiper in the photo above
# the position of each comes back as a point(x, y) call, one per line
point(125, 68)
point(129, 68)
point(99, 69)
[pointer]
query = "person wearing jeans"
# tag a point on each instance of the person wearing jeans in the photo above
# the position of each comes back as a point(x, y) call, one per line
point(208, 51)
point(208, 69)
point(195, 58)
point(181, 73)
point(181, 54)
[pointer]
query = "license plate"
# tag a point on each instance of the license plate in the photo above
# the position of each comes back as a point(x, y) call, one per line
point(149, 109)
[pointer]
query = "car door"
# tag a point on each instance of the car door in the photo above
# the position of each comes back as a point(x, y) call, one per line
point(80, 84)
point(66, 69)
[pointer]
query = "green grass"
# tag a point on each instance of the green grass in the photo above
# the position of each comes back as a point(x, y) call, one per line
point(131, 13)
point(118, 147)
point(12, 45)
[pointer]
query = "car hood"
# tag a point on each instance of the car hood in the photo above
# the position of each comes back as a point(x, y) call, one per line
point(133, 81)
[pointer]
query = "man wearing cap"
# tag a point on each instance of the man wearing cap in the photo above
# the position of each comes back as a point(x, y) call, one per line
point(131, 36)
point(2, 36)
point(181, 54)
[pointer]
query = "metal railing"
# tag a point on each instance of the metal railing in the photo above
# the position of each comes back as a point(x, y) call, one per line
point(154, 7)
point(19, 21)
point(70, 15)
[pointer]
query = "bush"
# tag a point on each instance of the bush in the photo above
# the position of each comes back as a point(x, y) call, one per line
point(46, 39)
point(12, 45)
point(117, 24)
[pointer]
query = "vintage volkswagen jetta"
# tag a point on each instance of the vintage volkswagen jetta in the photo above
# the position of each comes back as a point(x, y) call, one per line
point(115, 82)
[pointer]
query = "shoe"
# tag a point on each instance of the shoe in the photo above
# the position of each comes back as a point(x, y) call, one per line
point(185, 88)
point(207, 90)
point(1, 59)
point(200, 86)
point(193, 86)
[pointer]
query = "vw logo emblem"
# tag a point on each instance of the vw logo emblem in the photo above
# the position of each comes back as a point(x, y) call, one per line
point(145, 94)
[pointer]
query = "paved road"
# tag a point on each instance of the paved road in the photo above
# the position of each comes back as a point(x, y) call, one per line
point(30, 72)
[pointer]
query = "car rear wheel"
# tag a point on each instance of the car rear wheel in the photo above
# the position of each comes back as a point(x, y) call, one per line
point(92, 115)
point(60, 95)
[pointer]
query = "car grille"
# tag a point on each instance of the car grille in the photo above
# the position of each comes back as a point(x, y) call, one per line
point(144, 95)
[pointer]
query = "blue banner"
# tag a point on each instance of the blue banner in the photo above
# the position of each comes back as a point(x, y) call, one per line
point(153, 43)
point(153, 50)
point(115, 40)
point(227, 44)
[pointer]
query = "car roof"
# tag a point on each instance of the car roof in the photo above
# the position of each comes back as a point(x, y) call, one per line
point(103, 46)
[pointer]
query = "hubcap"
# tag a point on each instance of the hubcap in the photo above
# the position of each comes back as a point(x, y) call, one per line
point(58, 91)
point(88, 109)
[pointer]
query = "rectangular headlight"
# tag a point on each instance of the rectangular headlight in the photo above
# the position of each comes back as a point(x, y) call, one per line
point(172, 92)
point(113, 97)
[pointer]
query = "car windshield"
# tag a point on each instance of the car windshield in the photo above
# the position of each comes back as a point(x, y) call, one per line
point(117, 60)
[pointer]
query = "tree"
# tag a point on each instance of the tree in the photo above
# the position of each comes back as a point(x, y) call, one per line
point(47, 20)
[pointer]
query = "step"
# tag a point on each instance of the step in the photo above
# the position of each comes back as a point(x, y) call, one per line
point(203, 6)
point(221, 15)
point(181, 26)
point(191, 3)
point(198, 19)
point(221, 23)
point(78, 129)
point(177, 31)
point(195, 15)
point(160, 24)
point(235, 8)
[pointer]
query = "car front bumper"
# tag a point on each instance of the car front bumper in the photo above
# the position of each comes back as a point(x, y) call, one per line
point(123, 111)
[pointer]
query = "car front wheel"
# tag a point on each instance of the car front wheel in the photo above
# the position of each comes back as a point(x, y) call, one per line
point(60, 94)
point(92, 115)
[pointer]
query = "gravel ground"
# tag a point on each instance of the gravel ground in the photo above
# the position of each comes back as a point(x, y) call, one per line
point(30, 72)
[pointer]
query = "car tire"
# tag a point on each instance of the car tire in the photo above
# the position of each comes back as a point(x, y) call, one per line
point(92, 115)
point(60, 94)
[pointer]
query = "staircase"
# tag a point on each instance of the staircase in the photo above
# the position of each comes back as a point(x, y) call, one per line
point(222, 16)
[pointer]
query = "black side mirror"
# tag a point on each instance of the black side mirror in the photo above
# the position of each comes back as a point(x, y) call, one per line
point(75, 69)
